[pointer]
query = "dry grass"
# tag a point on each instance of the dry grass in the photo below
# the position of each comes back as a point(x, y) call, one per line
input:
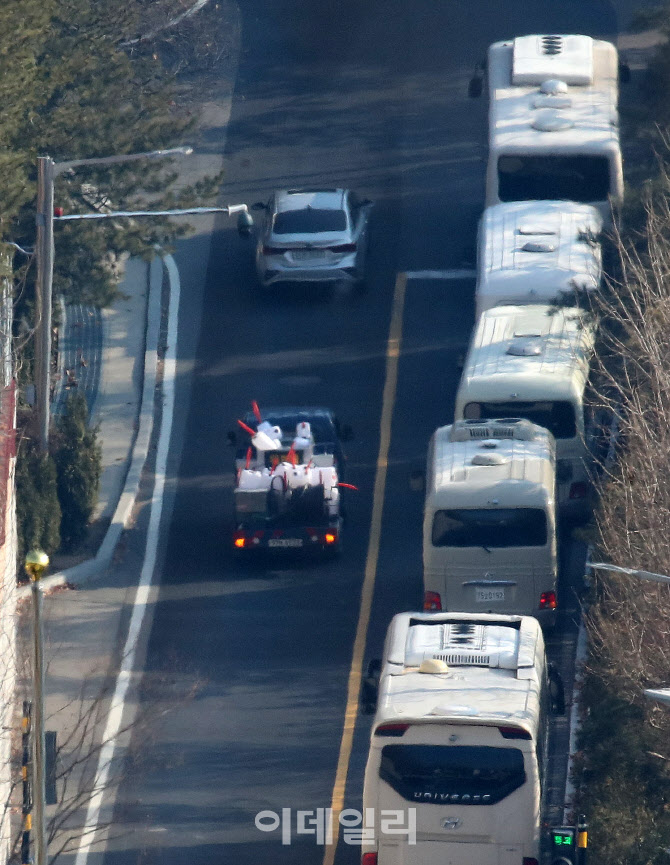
point(624, 764)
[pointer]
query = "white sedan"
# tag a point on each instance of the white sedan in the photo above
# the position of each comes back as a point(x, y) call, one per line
point(313, 235)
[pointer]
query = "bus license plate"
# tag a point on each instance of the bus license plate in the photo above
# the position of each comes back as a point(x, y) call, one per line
point(285, 542)
point(488, 596)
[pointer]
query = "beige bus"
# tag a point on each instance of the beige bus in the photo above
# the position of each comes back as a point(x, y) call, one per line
point(459, 741)
point(537, 252)
point(553, 121)
point(489, 528)
point(533, 362)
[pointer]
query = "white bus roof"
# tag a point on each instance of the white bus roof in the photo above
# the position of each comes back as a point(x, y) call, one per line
point(492, 678)
point(533, 251)
point(581, 118)
point(479, 464)
point(534, 352)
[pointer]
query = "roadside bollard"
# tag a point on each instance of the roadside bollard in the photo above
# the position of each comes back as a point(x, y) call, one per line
point(26, 775)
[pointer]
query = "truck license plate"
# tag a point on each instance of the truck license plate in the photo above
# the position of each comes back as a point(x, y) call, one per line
point(285, 542)
point(487, 596)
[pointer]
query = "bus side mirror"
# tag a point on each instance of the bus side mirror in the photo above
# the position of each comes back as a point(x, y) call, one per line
point(346, 433)
point(556, 690)
point(624, 73)
point(476, 83)
point(232, 438)
point(475, 87)
point(370, 687)
point(417, 480)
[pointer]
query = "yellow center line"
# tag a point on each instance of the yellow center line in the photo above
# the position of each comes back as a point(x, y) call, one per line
point(367, 591)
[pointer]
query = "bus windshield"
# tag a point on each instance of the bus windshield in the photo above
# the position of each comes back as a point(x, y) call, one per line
point(468, 775)
point(568, 178)
point(490, 527)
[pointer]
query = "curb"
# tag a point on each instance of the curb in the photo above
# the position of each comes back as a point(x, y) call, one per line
point(139, 449)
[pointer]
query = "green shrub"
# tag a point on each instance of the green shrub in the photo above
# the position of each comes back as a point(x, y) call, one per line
point(79, 464)
point(37, 507)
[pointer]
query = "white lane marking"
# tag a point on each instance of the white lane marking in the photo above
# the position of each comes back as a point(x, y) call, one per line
point(458, 273)
point(580, 662)
point(116, 709)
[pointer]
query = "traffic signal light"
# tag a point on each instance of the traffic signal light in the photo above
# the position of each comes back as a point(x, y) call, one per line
point(563, 845)
point(568, 843)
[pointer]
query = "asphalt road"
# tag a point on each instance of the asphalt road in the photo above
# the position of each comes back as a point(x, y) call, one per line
point(373, 96)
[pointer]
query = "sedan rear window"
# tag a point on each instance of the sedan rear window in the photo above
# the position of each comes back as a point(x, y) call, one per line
point(309, 221)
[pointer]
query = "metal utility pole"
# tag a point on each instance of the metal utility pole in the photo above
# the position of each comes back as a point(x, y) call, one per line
point(36, 562)
point(47, 171)
point(43, 284)
point(633, 572)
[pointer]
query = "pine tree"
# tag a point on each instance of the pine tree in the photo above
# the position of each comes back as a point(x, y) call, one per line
point(72, 87)
point(38, 513)
point(78, 461)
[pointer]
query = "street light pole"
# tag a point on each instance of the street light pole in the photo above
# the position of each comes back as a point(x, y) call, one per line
point(661, 695)
point(47, 171)
point(36, 562)
point(642, 575)
point(43, 291)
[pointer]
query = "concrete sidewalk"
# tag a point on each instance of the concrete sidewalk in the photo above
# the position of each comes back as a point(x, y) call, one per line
point(120, 395)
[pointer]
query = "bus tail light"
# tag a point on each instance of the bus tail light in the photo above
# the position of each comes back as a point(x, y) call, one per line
point(514, 733)
point(394, 730)
point(548, 601)
point(371, 859)
point(239, 540)
point(432, 602)
point(330, 537)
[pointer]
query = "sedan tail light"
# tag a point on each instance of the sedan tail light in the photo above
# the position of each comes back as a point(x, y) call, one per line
point(369, 859)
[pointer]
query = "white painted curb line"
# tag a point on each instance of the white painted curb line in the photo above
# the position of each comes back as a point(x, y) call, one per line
point(85, 570)
point(575, 723)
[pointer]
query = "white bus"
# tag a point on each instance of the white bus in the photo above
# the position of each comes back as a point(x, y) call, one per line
point(553, 121)
point(459, 740)
point(489, 528)
point(537, 252)
point(533, 362)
